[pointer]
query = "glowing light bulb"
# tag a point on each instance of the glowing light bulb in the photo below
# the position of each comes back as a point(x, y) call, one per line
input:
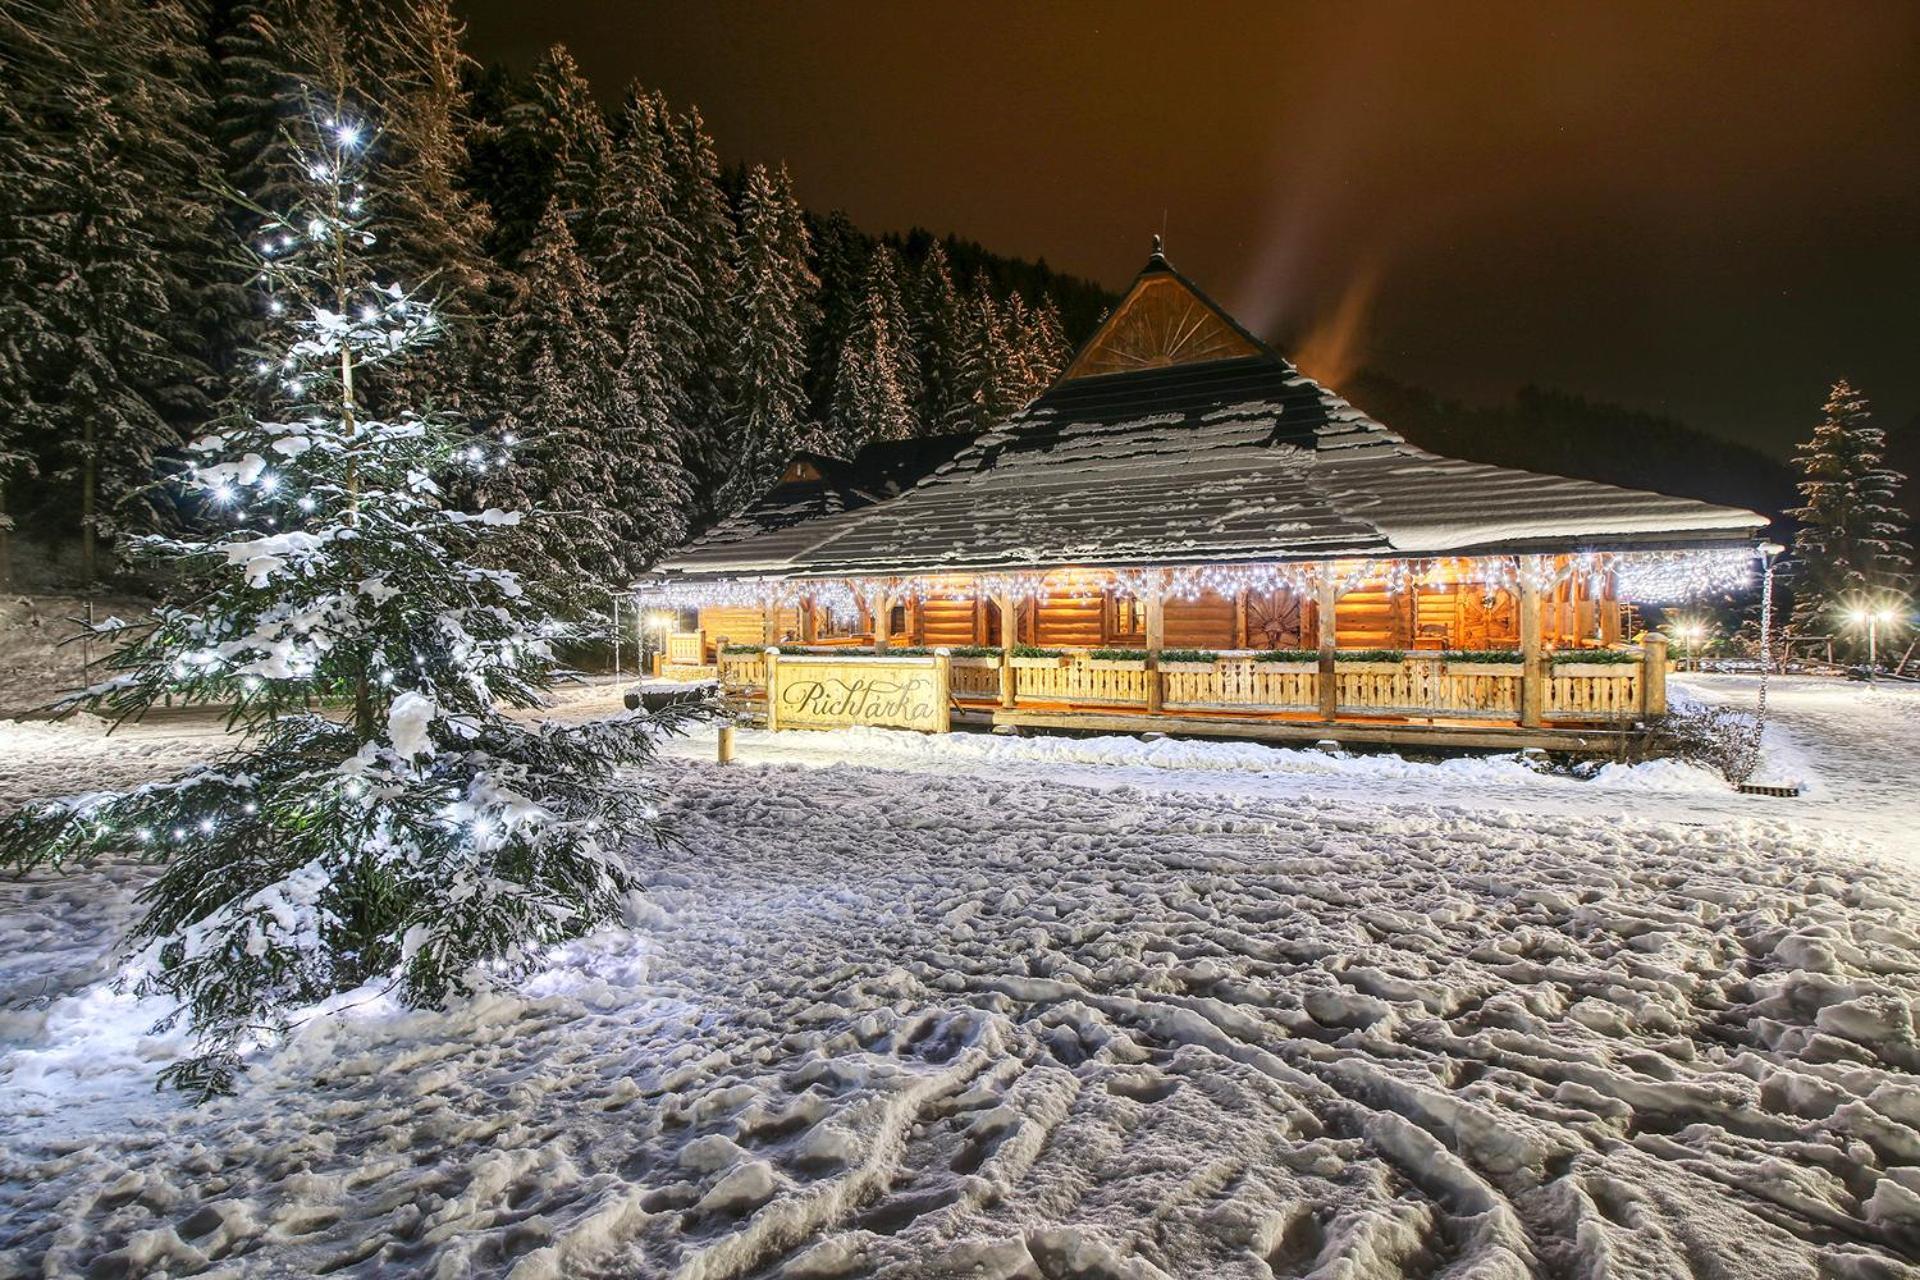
point(276, 307)
point(206, 825)
point(223, 494)
point(306, 504)
point(269, 482)
point(349, 135)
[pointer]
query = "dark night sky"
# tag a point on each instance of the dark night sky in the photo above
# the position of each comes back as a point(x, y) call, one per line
point(1709, 210)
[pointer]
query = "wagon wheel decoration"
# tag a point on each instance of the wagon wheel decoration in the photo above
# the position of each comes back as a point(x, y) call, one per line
point(1160, 324)
point(1273, 619)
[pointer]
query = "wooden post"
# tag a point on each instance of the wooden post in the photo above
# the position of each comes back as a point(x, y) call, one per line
point(1653, 677)
point(943, 680)
point(773, 688)
point(1532, 668)
point(809, 624)
point(770, 625)
point(882, 615)
point(1008, 612)
point(1156, 637)
point(726, 744)
point(1240, 620)
point(1325, 610)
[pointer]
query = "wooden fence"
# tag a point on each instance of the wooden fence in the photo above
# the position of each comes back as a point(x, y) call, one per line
point(1420, 686)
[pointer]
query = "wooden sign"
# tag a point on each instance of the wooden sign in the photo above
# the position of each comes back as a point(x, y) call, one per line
point(827, 692)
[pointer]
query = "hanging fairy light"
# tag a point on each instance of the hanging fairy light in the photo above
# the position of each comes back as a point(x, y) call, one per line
point(1666, 577)
point(1651, 577)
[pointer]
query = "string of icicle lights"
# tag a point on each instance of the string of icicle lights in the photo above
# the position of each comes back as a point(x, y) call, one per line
point(1644, 577)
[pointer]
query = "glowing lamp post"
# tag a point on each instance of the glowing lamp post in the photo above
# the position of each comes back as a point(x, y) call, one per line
point(1691, 632)
point(1872, 617)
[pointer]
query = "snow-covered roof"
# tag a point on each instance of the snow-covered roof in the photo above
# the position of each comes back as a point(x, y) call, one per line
point(1206, 446)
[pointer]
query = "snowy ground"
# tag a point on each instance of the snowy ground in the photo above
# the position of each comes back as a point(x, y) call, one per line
point(1050, 1008)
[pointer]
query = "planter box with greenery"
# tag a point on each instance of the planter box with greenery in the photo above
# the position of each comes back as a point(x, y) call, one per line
point(1189, 661)
point(1494, 662)
point(1288, 662)
point(1377, 662)
point(1117, 660)
point(974, 655)
point(1593, 662)
point(1028, 657)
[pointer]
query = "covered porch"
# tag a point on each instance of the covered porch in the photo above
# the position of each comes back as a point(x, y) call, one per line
point(1538, 649)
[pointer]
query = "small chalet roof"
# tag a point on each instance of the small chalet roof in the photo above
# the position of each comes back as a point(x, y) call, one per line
point(816, 485)
point(1176, 437)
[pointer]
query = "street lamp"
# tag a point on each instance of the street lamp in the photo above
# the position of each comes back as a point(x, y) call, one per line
point(1872, 617)
point(1691, 632)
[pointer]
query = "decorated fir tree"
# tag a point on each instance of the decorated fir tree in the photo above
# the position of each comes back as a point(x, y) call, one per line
point(386, 821)
point(1849, 549)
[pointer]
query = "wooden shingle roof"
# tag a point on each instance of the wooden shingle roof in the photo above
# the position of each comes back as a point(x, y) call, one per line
point(1177, 438)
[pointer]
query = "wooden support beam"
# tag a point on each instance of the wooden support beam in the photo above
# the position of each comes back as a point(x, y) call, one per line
point(773, 689)
point(1653, 678)
point(1240, 620)
point(1156, 610)
point(770, 624)
point(1009, 611)
point(882, 619)
point(1325, 610)
point(1533, 674)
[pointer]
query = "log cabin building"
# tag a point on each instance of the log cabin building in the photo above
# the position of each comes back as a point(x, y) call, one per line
point(1185, 532)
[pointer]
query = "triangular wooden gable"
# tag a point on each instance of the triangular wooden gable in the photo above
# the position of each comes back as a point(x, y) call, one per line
point(1162, 321)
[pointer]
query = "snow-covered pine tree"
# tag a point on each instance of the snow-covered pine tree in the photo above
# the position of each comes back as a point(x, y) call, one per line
point(435, 230)
point(840, 255)
point(701, 207)
point(939, 329)
point(106, 98)
point(421, 833)
point(577, 131)
point(652, 292)
point(988, 377)
point(766, 370)
point(1047, 350)
point(1849, 547)
point(651, 474)
point(22, 267)
point(876, 385)
point(576, 425)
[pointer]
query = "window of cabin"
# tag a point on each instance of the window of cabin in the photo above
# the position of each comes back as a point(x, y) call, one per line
point(897, 620)
point(1126, 620)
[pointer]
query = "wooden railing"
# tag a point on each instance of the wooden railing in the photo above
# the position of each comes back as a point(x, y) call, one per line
point(1079, 682)
point(686, 648)
point(1611, 692)
point(1243, 685)
point(1423, 684)
point(1419, 686)
point(743, 673)
point(975, 681)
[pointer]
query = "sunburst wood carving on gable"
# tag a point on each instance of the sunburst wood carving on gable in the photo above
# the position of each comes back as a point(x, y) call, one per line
point(1160, 323)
